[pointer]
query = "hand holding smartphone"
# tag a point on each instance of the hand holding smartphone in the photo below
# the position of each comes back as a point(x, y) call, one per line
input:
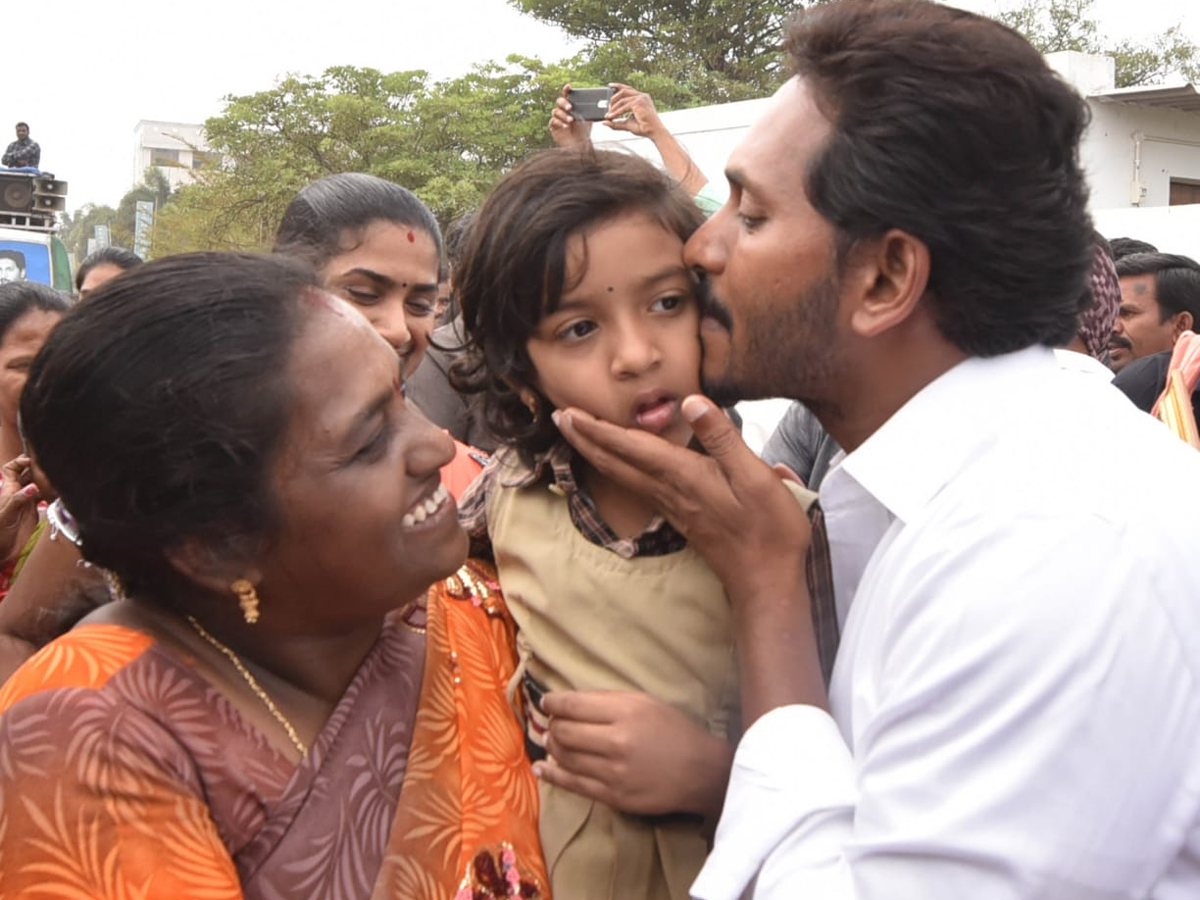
point(590, 104)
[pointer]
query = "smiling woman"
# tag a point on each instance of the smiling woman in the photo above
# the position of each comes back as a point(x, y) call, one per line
point(282, 678)
point(377, 246)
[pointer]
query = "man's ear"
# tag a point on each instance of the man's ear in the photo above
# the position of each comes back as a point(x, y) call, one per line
point(214, 564)
point(1183, 322)
point(888, 276)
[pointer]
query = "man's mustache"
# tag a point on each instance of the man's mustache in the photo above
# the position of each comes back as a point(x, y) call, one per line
point(713, 308)
point(1117, 341)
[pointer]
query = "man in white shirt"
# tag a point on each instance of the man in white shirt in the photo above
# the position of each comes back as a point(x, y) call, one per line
point(1014, 709)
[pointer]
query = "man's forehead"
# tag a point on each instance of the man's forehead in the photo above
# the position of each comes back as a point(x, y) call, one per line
point(1139, 291)
point(789, 131)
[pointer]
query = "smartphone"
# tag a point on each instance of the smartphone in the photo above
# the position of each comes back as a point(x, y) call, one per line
point(589, 104)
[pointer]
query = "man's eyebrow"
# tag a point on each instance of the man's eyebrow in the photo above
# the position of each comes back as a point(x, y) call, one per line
point(738, 178)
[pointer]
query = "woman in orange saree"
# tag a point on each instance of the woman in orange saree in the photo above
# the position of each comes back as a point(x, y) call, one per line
point(269, 713)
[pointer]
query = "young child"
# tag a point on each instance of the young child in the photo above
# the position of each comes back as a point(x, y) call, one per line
point(574, 293)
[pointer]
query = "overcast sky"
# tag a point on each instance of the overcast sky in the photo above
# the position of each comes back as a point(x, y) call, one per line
point(109, 65)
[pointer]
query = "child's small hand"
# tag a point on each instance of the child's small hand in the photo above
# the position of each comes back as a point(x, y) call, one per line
point(633, 753)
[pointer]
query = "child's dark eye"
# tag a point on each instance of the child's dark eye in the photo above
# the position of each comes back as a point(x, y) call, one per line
point(577, 330)
point(667, 304)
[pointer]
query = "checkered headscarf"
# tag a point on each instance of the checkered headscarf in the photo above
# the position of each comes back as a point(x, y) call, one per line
point(1098, 317)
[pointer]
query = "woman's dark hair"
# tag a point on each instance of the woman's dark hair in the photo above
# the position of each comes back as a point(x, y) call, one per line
point(157, 408)
point(514, 268)
point(109, 256)
point(952, 128)
point(20, 297)
point(317, 223)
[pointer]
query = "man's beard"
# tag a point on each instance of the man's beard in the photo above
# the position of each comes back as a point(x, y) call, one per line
point(788, 351)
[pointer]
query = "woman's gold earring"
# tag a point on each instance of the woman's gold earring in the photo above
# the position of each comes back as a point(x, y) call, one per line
point(247, 599)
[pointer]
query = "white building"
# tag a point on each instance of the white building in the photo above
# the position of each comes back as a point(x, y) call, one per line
point(1141, 152)
point(177, 149)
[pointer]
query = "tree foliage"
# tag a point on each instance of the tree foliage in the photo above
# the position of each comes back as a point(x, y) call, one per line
point(1054, 25)
point(449, 141)
point(76, 229)
point(714, 50)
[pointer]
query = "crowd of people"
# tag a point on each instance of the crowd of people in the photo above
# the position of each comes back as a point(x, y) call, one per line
point(390, 566)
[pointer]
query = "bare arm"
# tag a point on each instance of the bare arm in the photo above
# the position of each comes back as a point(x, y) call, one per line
point(633, 110)
point(52, 592)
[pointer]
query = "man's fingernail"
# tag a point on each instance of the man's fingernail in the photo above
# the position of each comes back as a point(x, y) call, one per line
point(557, 418)
point(694, 407)
point(29, 490)
point(538, 769)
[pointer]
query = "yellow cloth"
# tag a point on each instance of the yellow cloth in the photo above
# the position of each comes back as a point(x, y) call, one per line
point(589, 619)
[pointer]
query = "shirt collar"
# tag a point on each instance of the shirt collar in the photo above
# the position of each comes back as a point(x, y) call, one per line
point(557, 460)
point(933, 436)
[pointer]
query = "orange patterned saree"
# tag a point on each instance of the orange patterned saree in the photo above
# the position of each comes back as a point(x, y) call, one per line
point(123, 773)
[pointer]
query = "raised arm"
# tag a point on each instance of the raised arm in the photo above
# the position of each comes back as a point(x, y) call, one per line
point(633, 110)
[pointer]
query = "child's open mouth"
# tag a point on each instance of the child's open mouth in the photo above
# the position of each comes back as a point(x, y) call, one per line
point(655, 414)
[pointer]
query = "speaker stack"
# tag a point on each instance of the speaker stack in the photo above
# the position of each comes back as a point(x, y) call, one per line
point(16, 193)
point(49, 195)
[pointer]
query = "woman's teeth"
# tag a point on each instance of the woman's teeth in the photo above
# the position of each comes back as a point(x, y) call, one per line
point(423, 511)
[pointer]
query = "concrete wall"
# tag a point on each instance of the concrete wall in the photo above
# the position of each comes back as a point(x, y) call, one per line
point(1131, 153)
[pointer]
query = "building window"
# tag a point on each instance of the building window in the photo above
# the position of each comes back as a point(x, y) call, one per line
point(160, 156)
point(204, 160)
point(1184, 192)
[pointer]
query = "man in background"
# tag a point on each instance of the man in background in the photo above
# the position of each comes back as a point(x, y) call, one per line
point(22, 153)
point(1160, 299)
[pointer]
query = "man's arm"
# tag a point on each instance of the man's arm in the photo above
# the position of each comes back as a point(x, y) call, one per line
point(8, 158)
point(1020, 728)
point(1024, 724)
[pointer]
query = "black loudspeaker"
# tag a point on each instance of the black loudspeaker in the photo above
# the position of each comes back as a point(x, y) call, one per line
point(16, 193)
point(49, 194)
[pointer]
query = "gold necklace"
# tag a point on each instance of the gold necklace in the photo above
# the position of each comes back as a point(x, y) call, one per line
point(254, 685)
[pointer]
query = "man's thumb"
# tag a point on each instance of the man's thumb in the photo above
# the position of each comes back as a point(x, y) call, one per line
point(712, 428)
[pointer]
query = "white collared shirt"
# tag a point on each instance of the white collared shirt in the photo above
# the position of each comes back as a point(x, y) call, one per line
point(1081, 363)
point(1015, 703)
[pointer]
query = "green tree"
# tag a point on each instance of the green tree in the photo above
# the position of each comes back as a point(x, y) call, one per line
point(714, 50)
point(448, 142)
point(77, 229)
point(154, 187)
point(1054, 25)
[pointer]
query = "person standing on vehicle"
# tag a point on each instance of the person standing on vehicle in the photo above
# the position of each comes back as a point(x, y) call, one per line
point(22, 152)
